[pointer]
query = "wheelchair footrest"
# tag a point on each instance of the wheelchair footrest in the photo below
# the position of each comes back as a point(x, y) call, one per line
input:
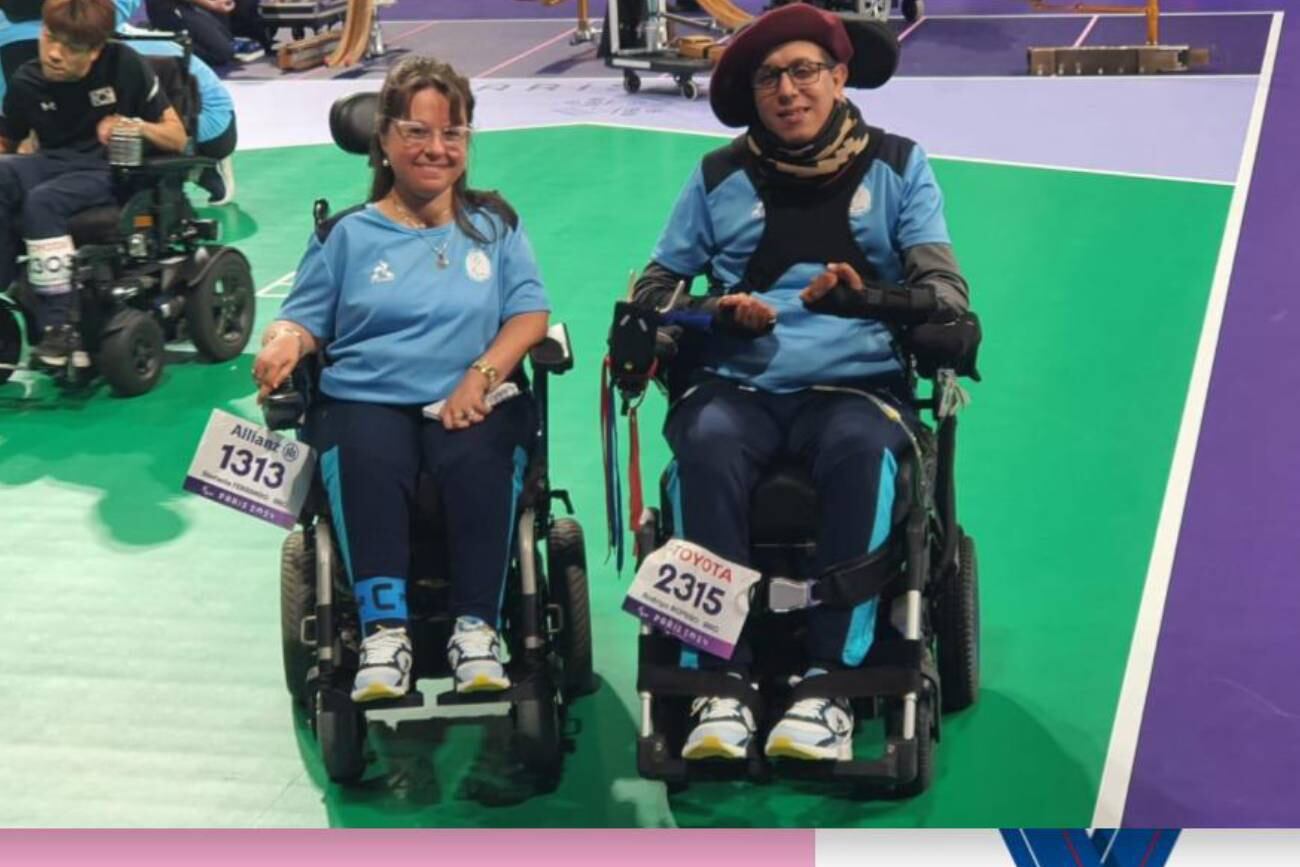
point(531, 688)
point(897, 765)
point(414, 698)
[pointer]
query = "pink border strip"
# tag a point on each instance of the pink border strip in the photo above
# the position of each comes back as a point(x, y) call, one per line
point(349, 848)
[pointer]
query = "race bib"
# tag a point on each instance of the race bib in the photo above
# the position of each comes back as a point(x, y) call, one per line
point(246, 467)
point(693, 595)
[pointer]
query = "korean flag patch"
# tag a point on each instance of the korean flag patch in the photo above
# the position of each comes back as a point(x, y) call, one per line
point(102, 97)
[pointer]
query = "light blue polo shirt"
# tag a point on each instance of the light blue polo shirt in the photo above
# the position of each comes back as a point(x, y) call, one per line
point(718, 230)
point(397, 328)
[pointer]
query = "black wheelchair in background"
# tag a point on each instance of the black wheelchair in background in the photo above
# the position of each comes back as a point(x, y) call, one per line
point(546, 620)
point(925, 657)
point(147, 270)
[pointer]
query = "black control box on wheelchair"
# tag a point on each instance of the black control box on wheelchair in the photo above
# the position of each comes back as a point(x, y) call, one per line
point(925, 657)
point(546, 620)
point(147, 270)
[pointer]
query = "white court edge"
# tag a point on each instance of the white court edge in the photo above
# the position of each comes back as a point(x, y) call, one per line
point(1118, 769)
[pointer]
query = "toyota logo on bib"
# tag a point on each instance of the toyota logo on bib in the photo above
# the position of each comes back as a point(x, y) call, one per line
point(478, 266)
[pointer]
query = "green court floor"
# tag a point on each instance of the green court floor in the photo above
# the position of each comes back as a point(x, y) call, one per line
point(142, 679)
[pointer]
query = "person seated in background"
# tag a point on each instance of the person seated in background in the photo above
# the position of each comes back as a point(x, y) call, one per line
point(216, 135)
point(73, 97)
point(223, 31)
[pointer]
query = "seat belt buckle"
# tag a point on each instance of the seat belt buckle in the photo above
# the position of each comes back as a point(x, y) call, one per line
point(787, 594)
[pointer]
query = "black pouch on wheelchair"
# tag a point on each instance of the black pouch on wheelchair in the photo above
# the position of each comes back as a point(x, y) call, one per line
point(632, 341)
point(953, 344)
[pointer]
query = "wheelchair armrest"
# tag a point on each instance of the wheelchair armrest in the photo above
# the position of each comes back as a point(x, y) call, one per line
point(167, 165)
point(554, 354)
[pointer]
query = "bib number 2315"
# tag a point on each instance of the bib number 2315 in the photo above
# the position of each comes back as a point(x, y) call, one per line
point(694, 595)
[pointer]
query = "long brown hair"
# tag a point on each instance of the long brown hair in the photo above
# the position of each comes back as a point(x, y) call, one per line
point(407, 78)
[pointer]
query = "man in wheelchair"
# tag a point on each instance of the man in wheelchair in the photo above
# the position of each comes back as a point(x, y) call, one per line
point(79, 92)
point(824, 242)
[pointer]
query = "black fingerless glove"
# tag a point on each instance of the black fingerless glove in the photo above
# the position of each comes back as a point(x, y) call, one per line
point(886, 302)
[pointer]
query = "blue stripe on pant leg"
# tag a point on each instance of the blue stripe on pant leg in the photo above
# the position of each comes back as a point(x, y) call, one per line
point(862, 625)
point(690, 657)
point(516, 487)
point(329, 472)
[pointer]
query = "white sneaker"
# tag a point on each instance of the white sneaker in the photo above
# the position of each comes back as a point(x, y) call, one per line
point(385, 670)
point(724, 730)
point(815, 729)
point(226, 169)
point(474, 651)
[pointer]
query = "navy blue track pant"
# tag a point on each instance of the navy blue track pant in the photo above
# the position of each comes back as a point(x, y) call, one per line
point(39, 193)
point(724, 436)
point(370, 458)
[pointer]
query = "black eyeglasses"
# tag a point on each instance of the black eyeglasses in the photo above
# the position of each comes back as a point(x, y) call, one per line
point(802, 74)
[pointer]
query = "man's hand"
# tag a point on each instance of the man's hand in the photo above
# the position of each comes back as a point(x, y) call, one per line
point(106, 126)
point(221, 7)
point(836, 274)
point(745, 314)
point(466, 406)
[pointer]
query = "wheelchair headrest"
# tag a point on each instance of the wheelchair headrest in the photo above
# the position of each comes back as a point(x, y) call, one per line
point(352, 121)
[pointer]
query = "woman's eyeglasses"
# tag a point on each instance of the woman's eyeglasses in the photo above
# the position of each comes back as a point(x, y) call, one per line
point(416, 134)
point(802, 74)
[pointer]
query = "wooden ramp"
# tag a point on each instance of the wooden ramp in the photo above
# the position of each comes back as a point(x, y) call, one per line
point(726, 13)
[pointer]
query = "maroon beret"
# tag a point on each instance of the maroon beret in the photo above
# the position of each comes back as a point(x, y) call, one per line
point(731, 90)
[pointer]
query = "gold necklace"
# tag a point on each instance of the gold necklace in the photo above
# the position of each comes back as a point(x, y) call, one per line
point(415, 222)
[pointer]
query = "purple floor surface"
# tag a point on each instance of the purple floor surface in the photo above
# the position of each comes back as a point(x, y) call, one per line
point(1220, 740)
point(1236, 42)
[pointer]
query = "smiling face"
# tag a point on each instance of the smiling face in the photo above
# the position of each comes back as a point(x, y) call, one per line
point(792, 112)
point(425, 148)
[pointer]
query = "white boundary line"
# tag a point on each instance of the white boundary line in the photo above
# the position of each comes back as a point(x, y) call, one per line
point(285, 280)
point(938, 156)
point(520, 56)
point(1220, 13)
point(1122, 752)
point(1083, 37)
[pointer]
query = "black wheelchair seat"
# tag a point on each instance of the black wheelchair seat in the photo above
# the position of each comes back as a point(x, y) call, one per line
point(99, 225)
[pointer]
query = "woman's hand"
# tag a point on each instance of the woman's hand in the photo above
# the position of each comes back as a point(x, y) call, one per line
point(276, 361)
point(466, 406)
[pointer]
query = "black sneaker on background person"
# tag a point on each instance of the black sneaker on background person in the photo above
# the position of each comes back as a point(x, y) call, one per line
point(58, 344)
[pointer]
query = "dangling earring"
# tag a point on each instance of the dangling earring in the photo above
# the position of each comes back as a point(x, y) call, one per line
point(384, 162)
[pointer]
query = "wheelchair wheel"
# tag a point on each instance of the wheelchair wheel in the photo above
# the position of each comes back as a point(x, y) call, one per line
point(131, 354)
point(342, 738)
point(537, 742)
point(924, 746)
point(912, 10)
point(297, 601)
point(11, 343)
point(219, 311)
point(958, 628)
point(567, 573)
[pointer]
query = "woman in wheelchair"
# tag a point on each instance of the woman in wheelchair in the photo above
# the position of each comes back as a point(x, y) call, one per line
point(80, 89)
point(428, 294)
point(800, 362)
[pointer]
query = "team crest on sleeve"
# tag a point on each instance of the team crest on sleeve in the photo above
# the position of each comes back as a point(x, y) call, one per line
point(861, 202)
point(478, 266)
point(758, 212)
point(102, 97)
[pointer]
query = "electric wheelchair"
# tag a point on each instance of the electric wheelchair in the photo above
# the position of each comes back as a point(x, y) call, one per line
point(925, 657)
point(546, 620)
point(147, 270)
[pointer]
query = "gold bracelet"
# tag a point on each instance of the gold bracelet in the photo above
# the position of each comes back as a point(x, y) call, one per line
point(487, 370)
point(272, 334)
